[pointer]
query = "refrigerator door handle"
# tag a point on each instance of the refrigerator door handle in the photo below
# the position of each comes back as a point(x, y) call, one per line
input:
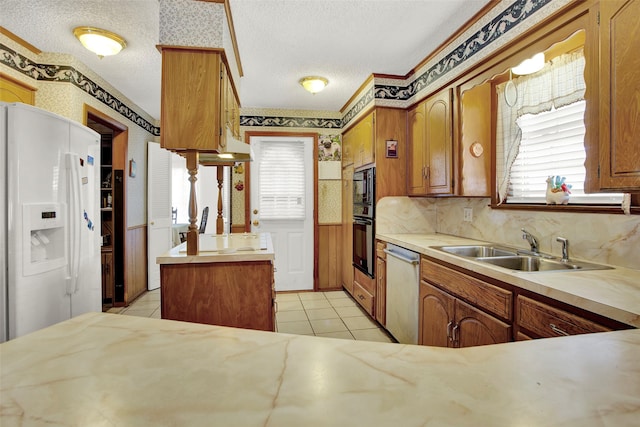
point(75, 220)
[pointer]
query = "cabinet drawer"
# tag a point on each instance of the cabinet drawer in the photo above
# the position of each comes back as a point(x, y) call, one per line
point(479, 293)
point(547, 321)
point(363, 297)
point(364, 281)
point(380, 250)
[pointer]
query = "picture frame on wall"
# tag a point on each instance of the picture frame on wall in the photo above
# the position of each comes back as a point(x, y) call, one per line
point(392, 149)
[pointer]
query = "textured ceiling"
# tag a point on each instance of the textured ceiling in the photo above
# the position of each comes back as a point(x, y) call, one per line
point(280, 41)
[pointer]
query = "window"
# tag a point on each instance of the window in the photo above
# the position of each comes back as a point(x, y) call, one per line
point(552, 143)
point(282, 173)
point(540, 133)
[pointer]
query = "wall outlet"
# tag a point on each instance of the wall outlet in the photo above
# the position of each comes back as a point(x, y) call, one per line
point(468, 214)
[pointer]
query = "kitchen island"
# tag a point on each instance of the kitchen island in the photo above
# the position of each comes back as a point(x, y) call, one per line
point(229, 283)
point(106, 369)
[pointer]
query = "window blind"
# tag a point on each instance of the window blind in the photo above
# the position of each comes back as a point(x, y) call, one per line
point(552, 144)
point(281, 174)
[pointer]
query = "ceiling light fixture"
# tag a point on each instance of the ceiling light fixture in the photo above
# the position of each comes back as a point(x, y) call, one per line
point(314, 84)
point(530, 66)
point(101, 42)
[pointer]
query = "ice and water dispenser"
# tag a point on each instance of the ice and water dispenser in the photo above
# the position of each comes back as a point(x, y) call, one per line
point(44, 237)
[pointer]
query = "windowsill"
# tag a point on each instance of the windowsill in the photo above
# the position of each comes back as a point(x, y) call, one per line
point(613, 209)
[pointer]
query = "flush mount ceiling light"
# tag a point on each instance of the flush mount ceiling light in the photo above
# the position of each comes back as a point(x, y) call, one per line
point(100, 42)
point(314, 84)
point(530, 66)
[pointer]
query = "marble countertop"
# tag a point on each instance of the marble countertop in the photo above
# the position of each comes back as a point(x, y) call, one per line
point(611, 293)
point(107, 369)
point(223, 248)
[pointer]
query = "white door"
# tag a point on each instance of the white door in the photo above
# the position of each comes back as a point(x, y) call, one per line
point(282, 205)
point(158, 209)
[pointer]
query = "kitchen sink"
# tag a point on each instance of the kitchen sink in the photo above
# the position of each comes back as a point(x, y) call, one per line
point(476, 251)
point(514, 259)
point(533, 263)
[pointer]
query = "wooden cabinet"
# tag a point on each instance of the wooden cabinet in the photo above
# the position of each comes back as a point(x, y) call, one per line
point(430, 138)
point(347, 229)
point(542, 320)
point(236, 294)
point(360, 142)
point(12, 90)
point(230, 107)
point(619, 74)
point(446, 320)
point(381, 283)
point(192, 112)
point(364, 289)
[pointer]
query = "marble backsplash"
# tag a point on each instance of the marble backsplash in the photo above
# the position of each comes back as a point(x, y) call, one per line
point(604, 238)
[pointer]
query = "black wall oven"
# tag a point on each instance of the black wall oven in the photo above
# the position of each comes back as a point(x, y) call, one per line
point(364, 220)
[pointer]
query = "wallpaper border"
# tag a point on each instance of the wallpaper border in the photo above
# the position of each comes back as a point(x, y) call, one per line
point(68, 74)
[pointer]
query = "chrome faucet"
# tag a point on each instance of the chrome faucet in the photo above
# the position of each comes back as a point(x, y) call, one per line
point(532, 240)
point(565, 248)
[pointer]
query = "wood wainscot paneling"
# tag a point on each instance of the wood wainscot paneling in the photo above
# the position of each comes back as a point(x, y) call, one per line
point(329, 257)
point(135, 262)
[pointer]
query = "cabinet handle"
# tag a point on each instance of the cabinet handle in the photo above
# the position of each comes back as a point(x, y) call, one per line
point(427, 172)
point(557, 330)
point(449, 325)
point(361, 296)
point(455, 334)
point(275, 303)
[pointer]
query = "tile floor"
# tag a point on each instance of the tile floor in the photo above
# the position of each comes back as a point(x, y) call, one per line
point(324, 314)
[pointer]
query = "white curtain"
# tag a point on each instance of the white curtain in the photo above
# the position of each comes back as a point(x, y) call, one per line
point(559, 83)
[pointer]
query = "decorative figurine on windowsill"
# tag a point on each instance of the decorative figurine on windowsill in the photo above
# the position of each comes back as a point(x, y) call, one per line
point(557, 190)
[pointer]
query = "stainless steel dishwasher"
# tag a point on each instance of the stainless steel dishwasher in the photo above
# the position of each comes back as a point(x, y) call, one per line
point(403, 284)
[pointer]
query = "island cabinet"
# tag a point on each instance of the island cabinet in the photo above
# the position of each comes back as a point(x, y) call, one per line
point(430, 136)
point(198, 103)
point(240, 294)
point(619, 73)
point(457, 310)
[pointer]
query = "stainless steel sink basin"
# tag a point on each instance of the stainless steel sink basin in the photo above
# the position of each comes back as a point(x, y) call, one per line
point(476, 251)
point(532, 263)
point(518, 260)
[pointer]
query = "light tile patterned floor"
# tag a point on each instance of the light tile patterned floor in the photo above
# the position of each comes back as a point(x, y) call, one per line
point(324, 314)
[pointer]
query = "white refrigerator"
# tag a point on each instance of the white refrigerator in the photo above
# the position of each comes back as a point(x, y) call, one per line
point(49, 220)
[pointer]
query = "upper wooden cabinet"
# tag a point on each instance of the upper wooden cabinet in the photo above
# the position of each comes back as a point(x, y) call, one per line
point(198, 101)
point(619, 163)
point(359, 142)
point(430, 146)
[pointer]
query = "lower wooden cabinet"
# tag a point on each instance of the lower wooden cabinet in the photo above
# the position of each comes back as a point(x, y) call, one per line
point(238, 294)
point(541, 320)
point(381, 283)
point(364, 290)
point(446, 321)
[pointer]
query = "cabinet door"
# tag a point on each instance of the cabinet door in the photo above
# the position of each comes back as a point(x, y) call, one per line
point(436, 316)
point(439, 143)
point(347, 228)
point(366, 136)
point(416, 175)
point(381, 290)
point(474, 327)
point(190, 107)
point(347, 148)
point(619, 106)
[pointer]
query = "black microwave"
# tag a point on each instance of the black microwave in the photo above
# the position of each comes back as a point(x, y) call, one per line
point(364, 196)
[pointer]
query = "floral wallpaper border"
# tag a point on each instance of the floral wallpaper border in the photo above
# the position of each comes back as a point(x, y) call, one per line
point(67, 74)
point(509, 18)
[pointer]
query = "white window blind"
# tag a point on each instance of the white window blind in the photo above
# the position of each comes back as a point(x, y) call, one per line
point(282, 172)
point(552, 144)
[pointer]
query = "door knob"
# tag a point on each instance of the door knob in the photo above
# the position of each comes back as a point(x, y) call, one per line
point(255, 211)
point(256, 222)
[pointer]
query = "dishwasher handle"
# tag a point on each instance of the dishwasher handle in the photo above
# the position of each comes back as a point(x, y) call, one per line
point(410, 260)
